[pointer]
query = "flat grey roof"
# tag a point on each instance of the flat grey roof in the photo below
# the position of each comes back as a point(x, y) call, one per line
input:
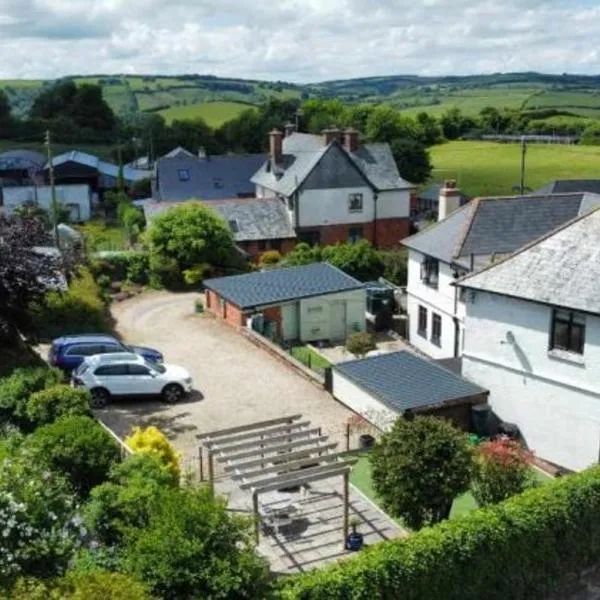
point(402, 380)
point(282, 285)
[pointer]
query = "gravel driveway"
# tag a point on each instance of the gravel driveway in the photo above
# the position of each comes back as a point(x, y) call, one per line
point(236, 382)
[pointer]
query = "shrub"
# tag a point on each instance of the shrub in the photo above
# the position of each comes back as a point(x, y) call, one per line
point(519, 549)
point(119, 266)
point(36, 510)
point(137, 267)
point(80, 309)
point(359, 260)
point(199, 306)
point(360, 343)
point(58, 401)
point(164, 271)
point(419, 467)
point(195, 275)
point(501, 470)
point(16, 390)
point(395, 266)
point(77, 447)
point(193, 548)
point(152, 441)
point(270, 257)
point(131, 218)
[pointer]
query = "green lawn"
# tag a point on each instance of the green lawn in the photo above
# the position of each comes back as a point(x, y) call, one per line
point(305, 354)
point(488, 169)
point(361, 478)
point(214, 113)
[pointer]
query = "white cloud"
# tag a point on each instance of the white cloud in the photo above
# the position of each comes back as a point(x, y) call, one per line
point(297, 40)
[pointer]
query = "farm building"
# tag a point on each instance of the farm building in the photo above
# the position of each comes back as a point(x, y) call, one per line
point(316, 302)
point(77, 198)
point(20, 167)
point(382, 388)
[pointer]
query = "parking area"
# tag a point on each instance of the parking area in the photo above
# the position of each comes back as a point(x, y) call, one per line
point(236, 382)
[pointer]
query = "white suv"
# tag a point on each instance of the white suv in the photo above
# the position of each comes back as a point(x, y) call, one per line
point(125, 374)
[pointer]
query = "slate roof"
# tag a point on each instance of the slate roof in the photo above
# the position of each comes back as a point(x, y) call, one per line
point(498, 225)
point(302, 152)
point(210, 178)
point(569, 186)
point(282, 285)
point(104, 168)
point(256, 218)
point(21, 159)
point(561, 269)
point(402, 380)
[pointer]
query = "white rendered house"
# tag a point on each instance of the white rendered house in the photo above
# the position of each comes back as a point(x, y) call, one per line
point(533, 339)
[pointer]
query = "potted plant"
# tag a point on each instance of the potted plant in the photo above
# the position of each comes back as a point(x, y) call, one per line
point(355, 540)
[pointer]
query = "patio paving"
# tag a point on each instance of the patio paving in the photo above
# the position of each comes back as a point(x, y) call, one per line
point(314, 538)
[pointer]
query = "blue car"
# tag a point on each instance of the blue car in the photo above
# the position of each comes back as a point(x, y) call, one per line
point(68, 352)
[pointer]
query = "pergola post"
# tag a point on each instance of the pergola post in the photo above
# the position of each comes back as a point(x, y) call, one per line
point(346, 493)
point(256, 517)
point(211, 472)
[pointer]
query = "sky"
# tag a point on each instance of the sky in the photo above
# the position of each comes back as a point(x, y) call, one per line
point(297, 40)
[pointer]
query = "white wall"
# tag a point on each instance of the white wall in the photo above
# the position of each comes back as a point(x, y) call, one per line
point(555, 400)
point(315, 314)
point(439, 301)
point(391, 204)
point(79, 195)
point(361, 402)
point(330, 207)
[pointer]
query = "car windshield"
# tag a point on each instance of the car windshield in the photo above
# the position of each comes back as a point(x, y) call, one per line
point(154, 366)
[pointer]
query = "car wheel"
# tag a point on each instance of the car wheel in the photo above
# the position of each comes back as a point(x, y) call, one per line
point(172, 393)
point(100, 397)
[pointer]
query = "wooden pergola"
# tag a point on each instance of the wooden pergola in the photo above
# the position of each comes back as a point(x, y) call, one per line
point(277, 454)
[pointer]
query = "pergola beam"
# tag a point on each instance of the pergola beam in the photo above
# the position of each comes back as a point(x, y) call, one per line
point(259, 444)
point(213, 435)
point(285, 455)
point(302, 479)
point(283, 480)
point(269, 450)
point(253, 434)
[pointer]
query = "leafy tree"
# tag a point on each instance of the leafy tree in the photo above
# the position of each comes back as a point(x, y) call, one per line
point(491, 120)
point(395, 264)
point(454, 124)
point(501, 470)
point(419, 467)
point(152, 441)
point(591, 135)
point(412, 160)
point(4, 108)
point(46, 406)
point(89, 109)
point(123, 501)
point(36, 515)
point(360, 343)
point(54, 100)
point(191, 234)
point(427, 130)
point(131, 218)
point(360, 260)
point(386, 124)
point(302, 254)
point(79, 448)
point(193, 548)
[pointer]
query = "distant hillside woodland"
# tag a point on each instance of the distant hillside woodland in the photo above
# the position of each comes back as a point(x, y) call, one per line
point(150, 115)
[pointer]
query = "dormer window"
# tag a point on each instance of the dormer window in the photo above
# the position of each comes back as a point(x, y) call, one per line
point(430, 272)
point(184, 174)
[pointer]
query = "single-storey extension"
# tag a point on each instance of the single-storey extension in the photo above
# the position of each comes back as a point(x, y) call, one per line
point(316, 302)
point(382, 388)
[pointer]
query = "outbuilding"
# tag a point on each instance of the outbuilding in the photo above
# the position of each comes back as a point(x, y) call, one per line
point(382, 388)
point(316, 302)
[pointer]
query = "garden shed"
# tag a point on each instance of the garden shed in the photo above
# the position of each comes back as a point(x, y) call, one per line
point(382, 388)
point(308, 303)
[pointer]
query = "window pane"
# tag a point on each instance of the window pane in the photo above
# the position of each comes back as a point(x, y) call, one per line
point(577, 338)
point(138, 370)
point(112, 370)
point(561, 335)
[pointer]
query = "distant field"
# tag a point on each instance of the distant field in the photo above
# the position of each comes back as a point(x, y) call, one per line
point(488, 169)
point(214, 113)
point(21, 83)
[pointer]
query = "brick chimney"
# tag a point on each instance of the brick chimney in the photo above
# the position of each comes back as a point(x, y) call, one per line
point(351, 140)
point(276, 146)
point(333, 133)
point(289, 129)
point(449, 199)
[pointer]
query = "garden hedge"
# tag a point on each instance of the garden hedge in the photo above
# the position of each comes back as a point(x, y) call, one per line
point(518, 549)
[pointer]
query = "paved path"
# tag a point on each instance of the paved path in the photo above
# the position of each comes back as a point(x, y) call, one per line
point(236, 382)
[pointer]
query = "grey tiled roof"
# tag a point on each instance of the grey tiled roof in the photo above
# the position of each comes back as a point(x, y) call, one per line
point(282, 285)
point(569, 186)
point(498, 225)
point(562, 268)
point(257, 218)
point(302, 152)
point(104, 168)
point(211, 178)
point(21, 159)
point(403, 380)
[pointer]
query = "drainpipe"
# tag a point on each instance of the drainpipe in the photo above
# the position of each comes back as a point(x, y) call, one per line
point(456, 320)
point(375, 197)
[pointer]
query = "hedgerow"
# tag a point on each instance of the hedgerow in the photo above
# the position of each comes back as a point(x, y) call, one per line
point(519, 549)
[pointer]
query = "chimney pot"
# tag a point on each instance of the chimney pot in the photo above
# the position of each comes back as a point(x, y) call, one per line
point(276, 146)
point(449, 199)
point(351, 140)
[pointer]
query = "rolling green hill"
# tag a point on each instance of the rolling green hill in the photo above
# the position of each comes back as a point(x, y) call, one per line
point(214, 113)
point(489, 169)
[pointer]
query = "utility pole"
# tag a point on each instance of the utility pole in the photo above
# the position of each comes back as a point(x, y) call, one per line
point(523, 152)
point(47, 141)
